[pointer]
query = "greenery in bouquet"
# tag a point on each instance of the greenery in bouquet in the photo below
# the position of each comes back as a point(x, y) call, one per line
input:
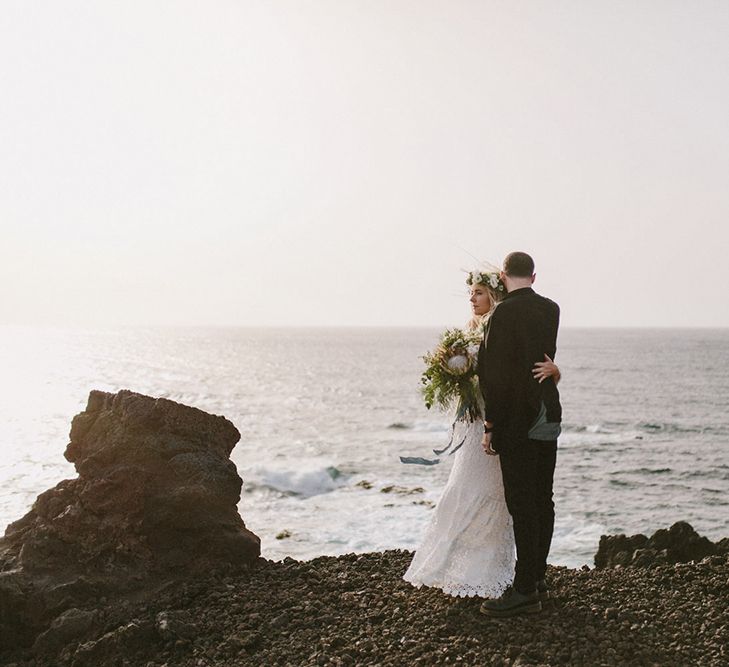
point(450, 380)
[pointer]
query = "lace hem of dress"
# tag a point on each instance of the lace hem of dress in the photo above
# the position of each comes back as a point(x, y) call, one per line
point(461, 590)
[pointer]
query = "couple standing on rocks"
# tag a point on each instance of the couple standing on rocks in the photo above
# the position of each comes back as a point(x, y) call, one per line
point(498, 498)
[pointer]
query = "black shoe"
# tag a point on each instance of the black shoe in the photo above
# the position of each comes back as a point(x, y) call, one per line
point(511, 603)
point(543, 591)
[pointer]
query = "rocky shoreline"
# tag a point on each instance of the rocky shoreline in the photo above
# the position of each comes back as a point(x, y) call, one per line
point(144, 561)
point(356, 610)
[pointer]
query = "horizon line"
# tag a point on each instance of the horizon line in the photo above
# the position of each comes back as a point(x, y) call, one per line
point(56, 325)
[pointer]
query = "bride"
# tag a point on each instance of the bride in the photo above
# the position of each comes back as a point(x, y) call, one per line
point(468, 548)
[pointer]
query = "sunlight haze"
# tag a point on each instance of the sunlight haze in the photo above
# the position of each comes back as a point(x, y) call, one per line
point(341, 163)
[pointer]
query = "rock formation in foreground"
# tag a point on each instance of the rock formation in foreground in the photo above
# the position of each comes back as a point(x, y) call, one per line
point(156, 497)
point(679, 544)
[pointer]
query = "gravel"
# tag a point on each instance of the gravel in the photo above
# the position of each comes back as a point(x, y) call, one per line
point(356, 610)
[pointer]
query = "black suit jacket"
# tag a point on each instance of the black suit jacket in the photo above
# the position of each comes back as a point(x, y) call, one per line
point(521, 330)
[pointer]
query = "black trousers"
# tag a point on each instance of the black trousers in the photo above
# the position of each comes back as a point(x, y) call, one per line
point(527, 468)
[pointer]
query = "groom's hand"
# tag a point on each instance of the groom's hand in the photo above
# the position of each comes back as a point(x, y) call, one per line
point(486, 444)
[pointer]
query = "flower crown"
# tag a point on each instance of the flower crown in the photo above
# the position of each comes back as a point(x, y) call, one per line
point(488, 278)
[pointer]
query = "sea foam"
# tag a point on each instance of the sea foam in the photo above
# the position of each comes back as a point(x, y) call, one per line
point(307, 479)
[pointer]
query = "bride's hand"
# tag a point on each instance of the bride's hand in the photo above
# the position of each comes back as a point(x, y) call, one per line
point(544, 369)
point(486, 444)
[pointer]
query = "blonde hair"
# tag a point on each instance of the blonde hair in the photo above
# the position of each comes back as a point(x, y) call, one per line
point(476, 322)
point(480, 320)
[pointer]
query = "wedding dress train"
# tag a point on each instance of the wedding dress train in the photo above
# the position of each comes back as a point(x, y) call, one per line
point(468, 548)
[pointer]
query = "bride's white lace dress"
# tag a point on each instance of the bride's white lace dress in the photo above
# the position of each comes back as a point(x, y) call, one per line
point(468, 548)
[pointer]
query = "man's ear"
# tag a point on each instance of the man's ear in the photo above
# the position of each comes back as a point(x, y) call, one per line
point(534, 277)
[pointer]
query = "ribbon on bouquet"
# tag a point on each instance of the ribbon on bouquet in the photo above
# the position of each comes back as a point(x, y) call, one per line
point(419, 460)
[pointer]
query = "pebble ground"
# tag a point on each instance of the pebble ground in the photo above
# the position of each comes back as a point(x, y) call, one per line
point(356, 610)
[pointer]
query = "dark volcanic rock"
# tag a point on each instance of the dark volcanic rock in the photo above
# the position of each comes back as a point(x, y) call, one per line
point(70, 625)
point(156, 488)
point(105, 650)
point(357, 610)
point(156, 495)
point(679, 544)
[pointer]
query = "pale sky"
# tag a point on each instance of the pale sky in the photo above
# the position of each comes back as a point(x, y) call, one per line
point(340, 162)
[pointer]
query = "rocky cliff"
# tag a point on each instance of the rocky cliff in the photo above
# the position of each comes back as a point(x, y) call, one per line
point(155, 498)
point(678, 544)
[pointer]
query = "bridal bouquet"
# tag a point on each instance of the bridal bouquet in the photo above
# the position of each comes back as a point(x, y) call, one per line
point(449, 380)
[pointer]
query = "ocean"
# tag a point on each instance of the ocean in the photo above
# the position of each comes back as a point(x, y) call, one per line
point(324, 415)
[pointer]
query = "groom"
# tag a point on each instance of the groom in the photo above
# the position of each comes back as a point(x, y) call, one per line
point(522, 423)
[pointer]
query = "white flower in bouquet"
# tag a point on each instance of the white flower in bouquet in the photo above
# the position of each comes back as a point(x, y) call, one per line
point(494, 280)
point(458, 364)
point(476, 278)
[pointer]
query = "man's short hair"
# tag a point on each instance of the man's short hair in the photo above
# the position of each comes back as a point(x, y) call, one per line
point(518, 265)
